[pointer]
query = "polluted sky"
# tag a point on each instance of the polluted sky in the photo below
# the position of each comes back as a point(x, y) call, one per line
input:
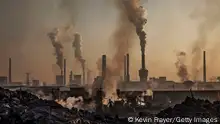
point(25, 24)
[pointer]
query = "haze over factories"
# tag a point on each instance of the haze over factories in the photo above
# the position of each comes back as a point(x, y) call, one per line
point(170, 28)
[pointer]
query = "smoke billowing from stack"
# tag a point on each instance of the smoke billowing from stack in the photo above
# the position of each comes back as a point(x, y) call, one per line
point(210, 20)
point(182, 71)
point(136, 17)
point(58, 48)
point(78, 53)
point(121, 35)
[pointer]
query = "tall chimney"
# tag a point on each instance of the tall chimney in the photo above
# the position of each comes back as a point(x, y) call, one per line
point(103, 66)
point(143, 72)
point(204, 67)
point(9, 71)
point(64, 72)
point(128, 71)
point(125, 68)
point(83, 73)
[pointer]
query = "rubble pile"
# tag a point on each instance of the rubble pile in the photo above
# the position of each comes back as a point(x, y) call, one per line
point(192, 107)
point(21, 107)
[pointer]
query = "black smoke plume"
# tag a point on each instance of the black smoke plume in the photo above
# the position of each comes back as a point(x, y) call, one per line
point(78, 52)
point(136, 16)
point(182, 71)
point(58, 48)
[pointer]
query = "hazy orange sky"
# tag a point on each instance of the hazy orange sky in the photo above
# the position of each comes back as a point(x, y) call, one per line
point(26, 23)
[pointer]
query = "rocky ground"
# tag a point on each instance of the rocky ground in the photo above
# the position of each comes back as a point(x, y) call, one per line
point(20, 107)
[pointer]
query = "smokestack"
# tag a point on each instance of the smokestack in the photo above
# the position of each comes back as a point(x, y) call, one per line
point(9, 71)
point(64, 73)
point(83, 71)
point(204, 67)
point(143, 72)
point(128, 71)
point(103, 66)
point(125, 68)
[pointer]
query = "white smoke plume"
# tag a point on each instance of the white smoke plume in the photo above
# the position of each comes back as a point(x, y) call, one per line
point(40, 94)
point(71, 102)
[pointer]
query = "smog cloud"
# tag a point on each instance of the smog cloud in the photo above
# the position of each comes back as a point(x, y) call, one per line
point(131, 17)
point(22, 34)
point(210, 20)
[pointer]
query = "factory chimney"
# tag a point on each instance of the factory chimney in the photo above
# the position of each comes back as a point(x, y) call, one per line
point(103, 66)
point(143, 72)
point(204, 67)
point(103, 69)
point(128, 71)
point(125, 68)
point(64, 72)
point(83, 73)
point(9, 71)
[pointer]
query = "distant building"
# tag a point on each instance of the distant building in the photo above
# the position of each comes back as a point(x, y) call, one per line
point(3, 80)
point(35, 82)
point(16, 83)
point(133, 86)
point(78, 79)
point(59, 80)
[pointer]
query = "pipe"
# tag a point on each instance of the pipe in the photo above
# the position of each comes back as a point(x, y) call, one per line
point(64, 72)
point(128, 70)
point(125, 68)
point(9, 71)
point(204, 66)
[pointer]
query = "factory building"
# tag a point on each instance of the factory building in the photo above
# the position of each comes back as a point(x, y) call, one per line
point(35, 82)
point(77, 80)
point(59, 80)
point(3, 80)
